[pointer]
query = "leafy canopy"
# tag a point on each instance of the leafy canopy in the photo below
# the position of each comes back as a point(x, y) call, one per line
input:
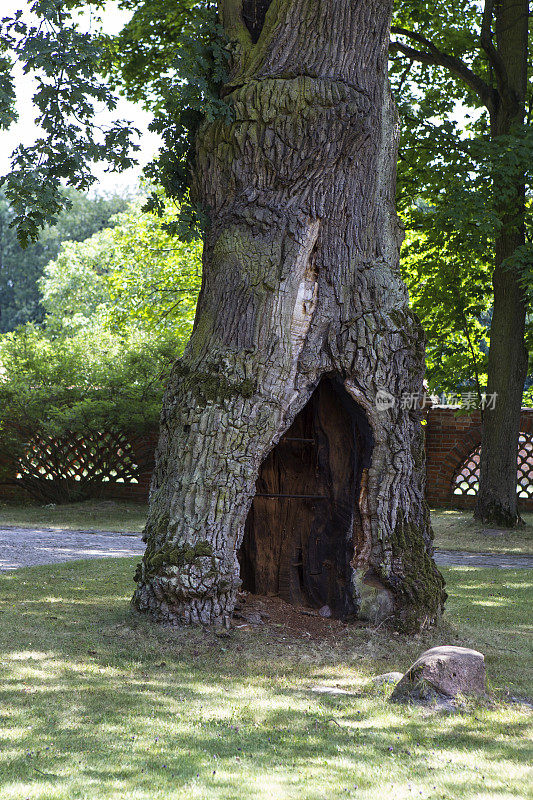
point(454, 178)
point(66, 65)
point(21, 268)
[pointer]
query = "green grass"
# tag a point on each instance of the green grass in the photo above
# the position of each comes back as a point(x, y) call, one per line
point(457, 530)
point(98, 703)
point(105, 515)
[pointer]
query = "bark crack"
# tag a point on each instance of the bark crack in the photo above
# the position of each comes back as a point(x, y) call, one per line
point(253, 14)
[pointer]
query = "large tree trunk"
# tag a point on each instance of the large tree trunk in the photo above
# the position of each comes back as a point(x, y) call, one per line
point(497, 501)
point(302, 325)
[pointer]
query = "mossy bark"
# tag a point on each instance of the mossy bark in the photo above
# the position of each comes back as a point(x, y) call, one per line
point(300, 281)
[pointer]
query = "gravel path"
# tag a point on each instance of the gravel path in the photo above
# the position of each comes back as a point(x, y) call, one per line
point(28, 547)
point(461, 558)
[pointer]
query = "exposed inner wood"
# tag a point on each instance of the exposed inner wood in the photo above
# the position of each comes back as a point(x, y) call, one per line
point(304, 526)
point(253, 14)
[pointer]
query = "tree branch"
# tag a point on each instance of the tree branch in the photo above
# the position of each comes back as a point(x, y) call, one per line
point(495, 60)
point(435, 57)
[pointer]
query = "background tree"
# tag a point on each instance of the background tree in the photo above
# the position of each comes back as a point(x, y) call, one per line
point(21, 268)
point(76, 391)
point(477, 184)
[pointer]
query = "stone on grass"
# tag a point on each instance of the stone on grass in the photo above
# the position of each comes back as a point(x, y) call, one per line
point(440, 675)
point(333, 690)
point(387, 677)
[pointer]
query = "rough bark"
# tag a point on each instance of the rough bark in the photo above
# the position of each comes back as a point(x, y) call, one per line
point(300, 282)
point(497, 501)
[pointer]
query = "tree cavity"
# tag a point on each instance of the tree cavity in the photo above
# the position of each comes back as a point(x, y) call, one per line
point(305, 529)
point(253, 14)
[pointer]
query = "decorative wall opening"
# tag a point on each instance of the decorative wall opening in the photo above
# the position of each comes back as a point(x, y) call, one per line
point(73, 466)
point(466, 480)
point(305, 527)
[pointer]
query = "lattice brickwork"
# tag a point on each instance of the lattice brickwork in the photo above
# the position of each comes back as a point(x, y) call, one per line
point(107, 457)
point(466, 481)
point(525, 466)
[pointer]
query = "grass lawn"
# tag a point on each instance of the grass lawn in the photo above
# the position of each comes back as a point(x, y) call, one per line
point(457, 530)
point(104, 515)
point(98, 703)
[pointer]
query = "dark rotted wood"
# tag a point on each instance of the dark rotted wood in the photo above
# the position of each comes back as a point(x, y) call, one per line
point(253, 14)
point(295, 547)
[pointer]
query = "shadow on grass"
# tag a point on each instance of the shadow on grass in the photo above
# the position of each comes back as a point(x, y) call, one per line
point(97, 702)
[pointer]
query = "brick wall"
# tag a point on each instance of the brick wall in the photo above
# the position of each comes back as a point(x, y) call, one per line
point(450, 440)
point(144, 449)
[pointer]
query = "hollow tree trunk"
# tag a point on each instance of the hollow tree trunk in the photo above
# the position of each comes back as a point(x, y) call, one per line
point(300, 282)
point(497, 501)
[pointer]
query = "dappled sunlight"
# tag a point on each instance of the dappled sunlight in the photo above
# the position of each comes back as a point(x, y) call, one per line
point(100, 703)
point(458, 530)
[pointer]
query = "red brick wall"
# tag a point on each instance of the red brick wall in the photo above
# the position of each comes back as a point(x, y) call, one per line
point(450, 439)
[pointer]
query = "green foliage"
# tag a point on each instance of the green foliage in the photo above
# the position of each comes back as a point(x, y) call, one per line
point(120, 308)
point(190, 96)
point(79, 382)
point(172, 58)
point(65, 65)
point(132, 277)
point(455, 183)
point(20, 269)
point(7, 89)
point(59, 391)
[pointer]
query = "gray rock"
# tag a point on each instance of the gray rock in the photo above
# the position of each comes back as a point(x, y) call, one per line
point(325, 611)
point(334, 690)
point(253, 618)
point(387, 677)
point(440, 674)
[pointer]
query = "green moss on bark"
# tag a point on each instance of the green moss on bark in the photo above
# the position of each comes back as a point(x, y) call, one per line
point(175, 556)
point(418, 586)
point(210, 387)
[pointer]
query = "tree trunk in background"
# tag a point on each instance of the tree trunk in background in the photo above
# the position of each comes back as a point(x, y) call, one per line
point(300, 285)
point(497, 501)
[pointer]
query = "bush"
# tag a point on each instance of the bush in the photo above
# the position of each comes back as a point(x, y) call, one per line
point(78, 393)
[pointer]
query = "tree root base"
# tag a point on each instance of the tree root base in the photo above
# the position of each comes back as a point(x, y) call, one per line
point(497, 516)
point(214, 611)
